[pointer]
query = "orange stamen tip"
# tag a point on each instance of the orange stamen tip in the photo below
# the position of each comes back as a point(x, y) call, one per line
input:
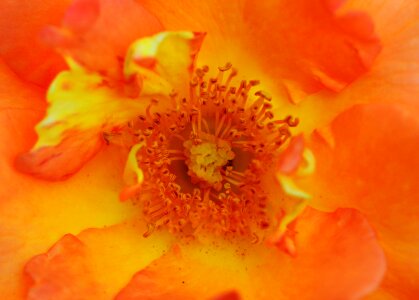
point(190, 179)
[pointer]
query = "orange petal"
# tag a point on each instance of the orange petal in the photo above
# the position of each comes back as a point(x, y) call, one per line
point(82, 106)
point(221, 20)
point(90, 265)
point(189, 273)
point(88, 199)
point(62, 160)
point(311, 44)
point(337, 258)
point(230, 295)
point(33, 213)
point(21, 46)
point(392, 77)
point(291, 157)
point(52, 272)
point(97, 34)
point(394, 73)
point(373, 167)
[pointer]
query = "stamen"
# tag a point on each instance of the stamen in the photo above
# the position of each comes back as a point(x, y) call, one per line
point(222, 135)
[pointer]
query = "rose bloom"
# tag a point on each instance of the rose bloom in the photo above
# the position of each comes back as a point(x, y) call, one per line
point(209, 149)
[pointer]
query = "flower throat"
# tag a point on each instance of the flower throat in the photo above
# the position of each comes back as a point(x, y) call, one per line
point(203, 159)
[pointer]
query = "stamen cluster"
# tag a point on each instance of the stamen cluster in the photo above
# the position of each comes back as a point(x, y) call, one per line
point(203, 159)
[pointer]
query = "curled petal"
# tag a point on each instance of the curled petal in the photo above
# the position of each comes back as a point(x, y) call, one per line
point(290, 159)
point(300, 44)
point(290, 188)
point(163, 62)
point(373, 167)
point(392, 77)
point(133, 175)
point(81, 106)
point(97, 33)
point(34, 213)
point(51, 273)
point(82, 265)
point(21, 46)
point(311, 42)
point(179, 273)
point(59, 161)
point(337, 257)
point(50, 209)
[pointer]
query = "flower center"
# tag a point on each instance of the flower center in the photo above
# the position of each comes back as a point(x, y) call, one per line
point(203, 159)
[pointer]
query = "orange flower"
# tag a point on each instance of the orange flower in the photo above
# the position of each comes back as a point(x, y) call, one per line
point(251, 204)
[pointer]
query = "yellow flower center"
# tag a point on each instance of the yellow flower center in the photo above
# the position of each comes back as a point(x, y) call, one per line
point(203, 159)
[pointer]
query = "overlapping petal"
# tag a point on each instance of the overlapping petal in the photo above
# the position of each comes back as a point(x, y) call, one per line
point(392, 77)
point(21, 47)
point(95, 264)
point(34, 213)
point(314, 45)
point(97, 33)
point(163, 63)
point(311, 47)
point(81, 106)
point(84, 104)
point(326, 245)
point(381, 181)
point(337, 48)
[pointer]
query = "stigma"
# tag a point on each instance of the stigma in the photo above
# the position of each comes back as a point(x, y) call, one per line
point(202, 159)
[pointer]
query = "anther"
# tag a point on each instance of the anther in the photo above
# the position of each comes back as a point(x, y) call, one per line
point(264, 95)
point(204, 133)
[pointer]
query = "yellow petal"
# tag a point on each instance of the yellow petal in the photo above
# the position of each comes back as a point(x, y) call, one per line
point(81, 105)
point(291, 188)
point(163, 62)
point(132, 173)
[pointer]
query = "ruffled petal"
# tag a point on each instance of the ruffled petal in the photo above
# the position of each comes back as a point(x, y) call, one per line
point(81, 106)
point(392, 77)
point(21, 46)
point(188, 272)
point(163, 63)
point(311, 44)
point(61, 272)
point(372, 165)
point(337, 258)
point(97, 33)
point(93, 265)
point(221, 20)
point(33, 213)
